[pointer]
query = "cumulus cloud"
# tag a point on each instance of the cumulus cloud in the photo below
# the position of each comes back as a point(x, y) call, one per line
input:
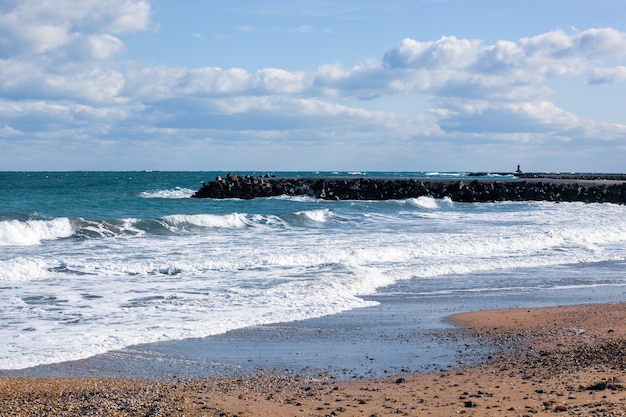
point(447, 51)
point(470, 68)
point(21, 79)
point(601, 43)
point(62, 50)
point(101, 47)
point(215, 81)
point(29, 116)
point(32, 27)
point(522, 117)
point(538, 120)
point(59, 70)
point(607, 75)
point(278, 81)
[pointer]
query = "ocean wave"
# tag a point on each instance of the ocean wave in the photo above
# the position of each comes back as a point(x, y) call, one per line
point(226, 221)
point(445, 174)
point(424, 202)
point(316, 216)
point(96, 229)
point(33, 232)
point(297, 198)
point(177, 222)
point(495, 175)
point(196, 284)
point(175, 193)
point(172, 224)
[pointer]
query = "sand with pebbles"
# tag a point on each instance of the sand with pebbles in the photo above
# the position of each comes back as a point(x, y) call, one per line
point(563, 360)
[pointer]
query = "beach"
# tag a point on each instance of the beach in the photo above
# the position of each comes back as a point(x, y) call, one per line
point(566, 360)
point(124, 296)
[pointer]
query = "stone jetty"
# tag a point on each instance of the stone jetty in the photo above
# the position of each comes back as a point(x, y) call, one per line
point(592, 188)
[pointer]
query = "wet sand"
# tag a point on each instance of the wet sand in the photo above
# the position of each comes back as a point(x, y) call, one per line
point(544, 361)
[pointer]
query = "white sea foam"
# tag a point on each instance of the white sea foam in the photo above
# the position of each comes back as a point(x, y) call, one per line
point(108, 229)
point(298, 198)
point(318, 216)
point(22, 269)
point(424, 202)
point(227, 221)
point(32, 232)
point(109, 313)
point(175, 193)
point(86, 296)
point(445, 174)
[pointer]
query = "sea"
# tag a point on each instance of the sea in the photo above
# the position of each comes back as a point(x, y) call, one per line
point(92, 262)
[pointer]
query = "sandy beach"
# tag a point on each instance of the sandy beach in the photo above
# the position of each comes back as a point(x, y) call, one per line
point(564, 360)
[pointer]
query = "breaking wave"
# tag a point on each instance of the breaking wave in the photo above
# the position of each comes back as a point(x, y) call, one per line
point(175, 193)
point(33, 232)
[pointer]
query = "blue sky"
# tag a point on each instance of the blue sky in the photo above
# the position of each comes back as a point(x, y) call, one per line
point(407, 85)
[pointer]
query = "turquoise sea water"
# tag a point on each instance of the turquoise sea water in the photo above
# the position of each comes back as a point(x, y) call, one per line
point(96, 261)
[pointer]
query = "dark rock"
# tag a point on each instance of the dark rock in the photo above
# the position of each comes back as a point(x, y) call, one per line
point(600, 386)
point(483, 190)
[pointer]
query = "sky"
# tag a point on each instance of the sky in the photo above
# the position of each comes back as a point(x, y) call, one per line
point(303, 85)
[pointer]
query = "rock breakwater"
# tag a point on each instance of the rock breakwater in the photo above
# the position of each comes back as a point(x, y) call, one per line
point(461, 190)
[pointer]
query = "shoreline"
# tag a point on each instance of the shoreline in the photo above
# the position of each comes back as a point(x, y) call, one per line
point(404, 333)
point(569, 360)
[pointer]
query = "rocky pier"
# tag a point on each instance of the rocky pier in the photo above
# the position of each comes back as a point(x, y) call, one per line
point(529, 188)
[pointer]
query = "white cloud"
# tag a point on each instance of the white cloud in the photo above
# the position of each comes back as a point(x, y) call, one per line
point(123, 17)
point(367, 80)
point(530, 61)
point(32, 27)
point(58, 76)
point(24, 112)
point(607, 75)
point(102, 47)
point(278, 81)
point(536, 120)
point(9, 131)
point(27, 80)
point(149, 84)
point(447, 51)
point(215, 81)
point(61, 50)
point(601, 43)
point(473, 70)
